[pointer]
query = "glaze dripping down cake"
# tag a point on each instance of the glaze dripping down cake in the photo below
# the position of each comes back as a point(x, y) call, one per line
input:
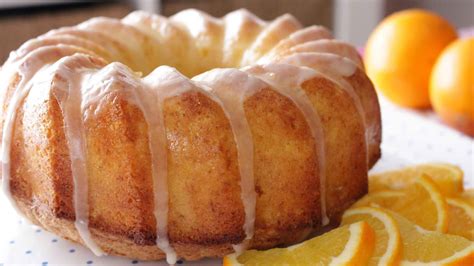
point(189, 136)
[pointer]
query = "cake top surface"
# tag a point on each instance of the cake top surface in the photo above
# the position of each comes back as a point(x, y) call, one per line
point(191, 41)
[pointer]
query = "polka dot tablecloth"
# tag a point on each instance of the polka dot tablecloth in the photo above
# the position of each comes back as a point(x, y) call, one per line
point(408, 138)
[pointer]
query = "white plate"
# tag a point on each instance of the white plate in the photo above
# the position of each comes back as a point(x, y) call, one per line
point(408, 138)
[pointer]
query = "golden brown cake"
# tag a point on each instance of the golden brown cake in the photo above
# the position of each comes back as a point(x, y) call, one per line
point(189, 136)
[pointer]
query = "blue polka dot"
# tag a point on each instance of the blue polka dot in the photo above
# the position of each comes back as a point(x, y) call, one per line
point(72, 250)
point(54, 240)
point(20, 222)
point(134, 261)
point(89, 262)
point(38, 231)
point(12, 242)
point(44, 263)
point(28, 252)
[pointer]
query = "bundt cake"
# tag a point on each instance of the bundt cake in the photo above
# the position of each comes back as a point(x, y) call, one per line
point(189, 136)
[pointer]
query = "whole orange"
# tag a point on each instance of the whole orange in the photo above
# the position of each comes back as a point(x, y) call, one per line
point(401, 52)
point(452, 85)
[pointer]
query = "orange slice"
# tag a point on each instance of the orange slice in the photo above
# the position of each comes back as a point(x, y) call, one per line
point(421, 203)
point(448, 178)
point(461, 218)
point(468, 196)
point(388, 243)
point(347, 245)
point(423, 247)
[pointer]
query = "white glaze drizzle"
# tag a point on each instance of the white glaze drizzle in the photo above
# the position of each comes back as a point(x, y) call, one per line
point(310, 33)
point(302, 36)
point(74, 72)
point(149, 94)
point(241, 29)
point(137, 93)
point(27, 67)
point(136, 42)
point(117, 50)
point(164, 82)
point(287, 80)
point(51, 40)
point(233, 87)
point(281, 26)
point(21, 91)
point(332, 66)
point(329, 46)
point(335, 68)
point(335, 63)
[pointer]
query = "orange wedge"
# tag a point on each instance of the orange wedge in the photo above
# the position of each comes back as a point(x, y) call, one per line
point(461, 218)
point(448, 178)
point(468, 196)
point(347, 245)
point(422, 247)
point(388, 243)
point(421, 203)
